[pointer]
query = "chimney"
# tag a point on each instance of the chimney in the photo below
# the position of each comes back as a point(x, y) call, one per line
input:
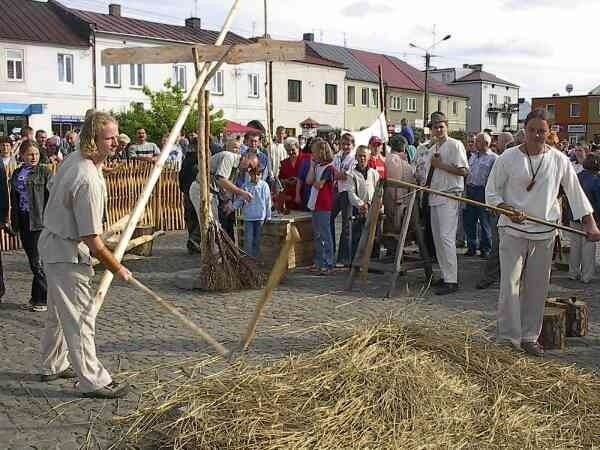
point(310, 37)
point(476, 67)
point(114, 9)
point(193, 22)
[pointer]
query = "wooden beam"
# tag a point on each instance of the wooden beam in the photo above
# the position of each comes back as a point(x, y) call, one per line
point(263, 50)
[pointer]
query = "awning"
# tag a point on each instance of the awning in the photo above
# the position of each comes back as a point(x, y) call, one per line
point(238, 128)
point(21, 109)
point(68, 119)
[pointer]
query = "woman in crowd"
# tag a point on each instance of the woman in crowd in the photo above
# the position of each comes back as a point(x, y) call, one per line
point(29, 194)
point(8, 160)
point(321, 177)
point(302, 188)
point(288, 176)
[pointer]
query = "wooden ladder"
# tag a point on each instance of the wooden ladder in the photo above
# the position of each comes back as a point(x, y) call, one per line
point(362, 261)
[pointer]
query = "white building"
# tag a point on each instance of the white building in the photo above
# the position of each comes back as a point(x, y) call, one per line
point(311, 88)
point(52, 73)
point(493, 102)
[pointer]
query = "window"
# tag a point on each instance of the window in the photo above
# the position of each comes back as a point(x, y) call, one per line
point(217, 84)
point(253, 86)
point(493, 119)
point(331, 94)
point(14, 65)
point(507, 100)
point(493, 99)
point(112, 76)
point(179, 77)
point(65, 68)
point(551, 112)
point(375, 98)
point(136, 75)
point(447, 77)
point(575, 110)
point(365, 97)
point(455, 108)
point(598, 106)
point(351, 96)
point(295, 91)
point(411, 104)
point(395, 103)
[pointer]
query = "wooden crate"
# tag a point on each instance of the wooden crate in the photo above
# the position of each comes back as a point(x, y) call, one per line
point(553, 334)
point(274, 234)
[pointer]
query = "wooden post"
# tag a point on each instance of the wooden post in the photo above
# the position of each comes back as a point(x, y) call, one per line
point(201, 178)
point(207, 134)
point(140, 206)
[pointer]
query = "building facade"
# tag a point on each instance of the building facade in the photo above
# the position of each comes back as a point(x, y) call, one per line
point(567, 115)
point(493, 103)
point(52, 72)
point(311, 88)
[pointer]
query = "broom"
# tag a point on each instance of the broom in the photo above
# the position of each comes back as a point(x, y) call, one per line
point(223, 266)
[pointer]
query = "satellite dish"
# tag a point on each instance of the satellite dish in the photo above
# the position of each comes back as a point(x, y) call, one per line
point(569, 88)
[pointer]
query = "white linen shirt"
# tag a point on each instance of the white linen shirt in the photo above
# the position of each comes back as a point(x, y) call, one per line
point(344, 164)
point(508, 183)
point(451, 152)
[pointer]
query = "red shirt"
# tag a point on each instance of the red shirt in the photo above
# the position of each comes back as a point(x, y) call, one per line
point(379, 165)
point(326, 195)
point(287, 170)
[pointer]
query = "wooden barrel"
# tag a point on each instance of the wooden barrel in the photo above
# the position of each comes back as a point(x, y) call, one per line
point(144, 249)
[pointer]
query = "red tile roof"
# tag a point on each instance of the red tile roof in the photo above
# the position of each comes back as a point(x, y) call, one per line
point(400, 75)
point(30, 21)
point(143, 28)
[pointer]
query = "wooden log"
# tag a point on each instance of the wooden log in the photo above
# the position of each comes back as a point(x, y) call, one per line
point(577, 315)
point(263, 50)
point(553, 329)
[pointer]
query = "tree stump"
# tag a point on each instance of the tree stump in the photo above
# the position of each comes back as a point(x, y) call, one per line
point(576, 312)
point(144, 249)
point(553, 329)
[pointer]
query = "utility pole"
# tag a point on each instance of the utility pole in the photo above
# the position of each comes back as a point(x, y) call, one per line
point(428, 56)
point(268, 83)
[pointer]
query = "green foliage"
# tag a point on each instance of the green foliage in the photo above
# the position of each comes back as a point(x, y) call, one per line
point(165, 107)
point(458, 134)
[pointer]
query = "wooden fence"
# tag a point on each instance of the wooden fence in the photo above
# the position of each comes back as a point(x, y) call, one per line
point(125, 181)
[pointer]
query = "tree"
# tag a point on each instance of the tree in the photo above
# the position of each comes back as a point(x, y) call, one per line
point(165, 107)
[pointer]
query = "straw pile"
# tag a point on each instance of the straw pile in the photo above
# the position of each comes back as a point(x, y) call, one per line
point(392, 385)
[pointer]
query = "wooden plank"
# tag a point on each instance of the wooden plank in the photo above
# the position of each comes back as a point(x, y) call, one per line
point(263, 50)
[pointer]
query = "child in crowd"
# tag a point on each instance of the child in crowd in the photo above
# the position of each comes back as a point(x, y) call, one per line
point(582, 255)
point(29, 195)
point(256, 212)
point(320, 177)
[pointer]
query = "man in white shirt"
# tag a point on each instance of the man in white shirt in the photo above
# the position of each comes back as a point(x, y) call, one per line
point(526, 179)
point(277, 151)
point(450, 166)
point(363, 180)
point(142, 149)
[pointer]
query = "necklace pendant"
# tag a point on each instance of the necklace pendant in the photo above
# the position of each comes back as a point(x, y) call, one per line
point(530, 185)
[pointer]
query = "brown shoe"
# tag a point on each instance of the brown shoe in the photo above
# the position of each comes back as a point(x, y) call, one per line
point(112, 390)
point(533, 349)
point(65, 374)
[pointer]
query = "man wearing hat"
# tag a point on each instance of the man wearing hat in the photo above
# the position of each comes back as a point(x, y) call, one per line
point(449, 166)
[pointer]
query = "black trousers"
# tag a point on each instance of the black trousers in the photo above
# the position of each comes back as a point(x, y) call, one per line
point(29, 241)
point(2, 286)
point(191, 220)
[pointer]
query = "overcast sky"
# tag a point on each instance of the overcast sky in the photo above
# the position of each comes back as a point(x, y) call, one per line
point(541, 45)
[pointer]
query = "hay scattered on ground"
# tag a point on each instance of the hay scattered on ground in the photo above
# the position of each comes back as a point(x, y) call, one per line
point(391, 385)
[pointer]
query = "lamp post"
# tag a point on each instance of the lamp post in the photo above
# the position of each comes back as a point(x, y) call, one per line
point(428, 56)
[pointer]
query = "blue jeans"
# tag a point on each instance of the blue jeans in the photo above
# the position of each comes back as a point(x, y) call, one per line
point(323, 239)
point(252, 236)
point(474, 214)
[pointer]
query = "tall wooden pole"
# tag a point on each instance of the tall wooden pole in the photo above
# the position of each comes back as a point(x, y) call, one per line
point(140, 206)
point(268, 83)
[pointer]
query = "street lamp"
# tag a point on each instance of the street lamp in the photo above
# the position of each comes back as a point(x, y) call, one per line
point(427, 60)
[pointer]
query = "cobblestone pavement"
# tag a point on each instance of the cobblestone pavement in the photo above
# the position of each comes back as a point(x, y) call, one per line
point(134, 334)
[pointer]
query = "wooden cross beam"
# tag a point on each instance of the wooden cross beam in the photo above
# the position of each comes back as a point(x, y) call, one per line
point(263, 50)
